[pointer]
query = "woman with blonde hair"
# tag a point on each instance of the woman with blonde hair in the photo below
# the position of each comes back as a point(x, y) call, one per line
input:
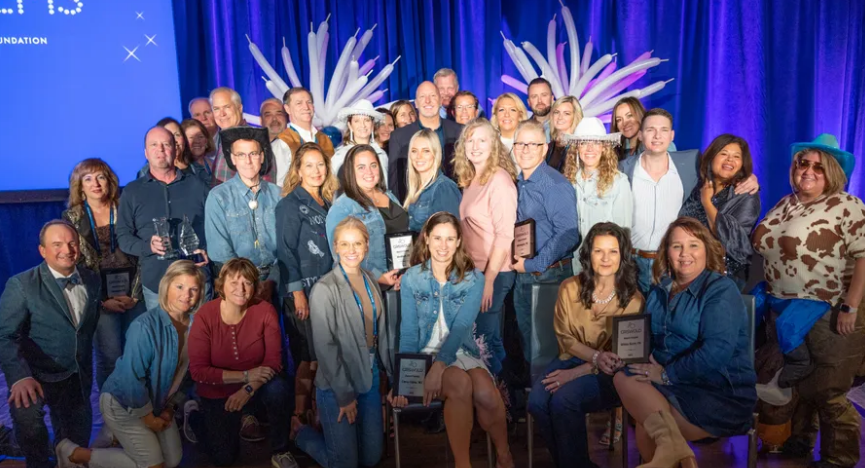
point(488, 211)
point(92, 208)
point(429, 191)
point(303, 256)
point(603, 193)
point(565, 114)
point(508, 112)
point(149, 382)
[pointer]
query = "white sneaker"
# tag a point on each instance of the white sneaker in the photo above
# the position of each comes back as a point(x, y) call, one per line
point(188, 408)
point(63, 450)
point(773, 394)
point(283, 460)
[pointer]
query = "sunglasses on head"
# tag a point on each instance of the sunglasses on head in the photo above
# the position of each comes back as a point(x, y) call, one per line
point(804, 164)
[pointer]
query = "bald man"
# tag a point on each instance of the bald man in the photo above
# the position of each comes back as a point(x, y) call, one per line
point(48, 316)
point(428, 103)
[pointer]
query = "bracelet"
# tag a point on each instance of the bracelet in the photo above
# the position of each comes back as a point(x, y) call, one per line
point(246, 376)
point(664, 379)
point(595, 361)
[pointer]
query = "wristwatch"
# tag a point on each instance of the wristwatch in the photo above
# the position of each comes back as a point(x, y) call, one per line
point(845, 308)
point(249, 389)
point(664, 379)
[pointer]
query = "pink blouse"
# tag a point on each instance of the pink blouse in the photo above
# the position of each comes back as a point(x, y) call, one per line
point(488, 214)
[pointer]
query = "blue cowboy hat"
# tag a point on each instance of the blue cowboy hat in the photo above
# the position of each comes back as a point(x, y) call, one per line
point(828, 143)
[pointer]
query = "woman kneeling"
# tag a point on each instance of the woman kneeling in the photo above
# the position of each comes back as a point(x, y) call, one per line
point(700, 382)
point(441, 296)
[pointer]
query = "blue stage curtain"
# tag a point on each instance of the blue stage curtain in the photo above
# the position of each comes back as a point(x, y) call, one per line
point(771, 71)
point(19, 235)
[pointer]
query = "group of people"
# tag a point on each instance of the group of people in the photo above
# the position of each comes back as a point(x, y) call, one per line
point(263, 233)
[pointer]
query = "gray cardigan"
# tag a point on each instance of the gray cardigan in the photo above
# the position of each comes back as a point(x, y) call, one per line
point(339, 339)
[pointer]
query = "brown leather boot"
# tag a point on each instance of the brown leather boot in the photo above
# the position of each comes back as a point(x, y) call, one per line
point(671, 448)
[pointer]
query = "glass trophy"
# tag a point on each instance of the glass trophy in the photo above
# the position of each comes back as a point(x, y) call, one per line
point(188, 241)
point(163, 230)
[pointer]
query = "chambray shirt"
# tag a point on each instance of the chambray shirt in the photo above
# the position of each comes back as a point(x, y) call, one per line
point(232, 228)
point(147, 198)
point(548, 198)
point(375, 260)
point(143, 376)
point(441, 195)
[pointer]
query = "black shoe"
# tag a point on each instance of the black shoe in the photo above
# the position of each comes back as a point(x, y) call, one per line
point(824, 464)
point(796, 448)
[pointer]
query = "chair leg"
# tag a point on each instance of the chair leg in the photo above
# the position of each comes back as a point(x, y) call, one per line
point(752, 443)
point(530, 439)
point(612, 433)
point(625, 425)
point(396, 437)
point(491, 456)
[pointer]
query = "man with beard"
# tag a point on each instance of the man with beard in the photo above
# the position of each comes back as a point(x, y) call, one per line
point(48, 316)
point(274, 119)
point(540, 102)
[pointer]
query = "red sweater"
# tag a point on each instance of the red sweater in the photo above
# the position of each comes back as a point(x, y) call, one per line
point(215, 346)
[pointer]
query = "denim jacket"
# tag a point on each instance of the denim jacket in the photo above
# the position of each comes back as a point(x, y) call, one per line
point(143, 376)
point(441, 195)
point(420, 304)
point(701, 336)
point(302, 247)
point(375, 261)
point(232, 228)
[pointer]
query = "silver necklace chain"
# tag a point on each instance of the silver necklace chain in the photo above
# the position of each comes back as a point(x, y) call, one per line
point(604, 301)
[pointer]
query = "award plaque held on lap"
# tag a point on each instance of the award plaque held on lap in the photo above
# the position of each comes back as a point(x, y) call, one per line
point(411, 371)
point(117, 282)
point(398, 246)
point(632, 336)
point(524, 239)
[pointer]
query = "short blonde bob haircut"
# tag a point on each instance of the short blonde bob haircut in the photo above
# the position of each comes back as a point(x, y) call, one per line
point(346, 224)
point(836, 180)
point(175, 270)
point(518, 103)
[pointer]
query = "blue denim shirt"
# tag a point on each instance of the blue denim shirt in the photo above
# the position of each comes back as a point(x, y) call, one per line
point(548, 198)
point(422, 297)
point(701, 336)
point(375, 260)
point(441, 195)
point(143, 376)
point(302, 247)
point(234, 230)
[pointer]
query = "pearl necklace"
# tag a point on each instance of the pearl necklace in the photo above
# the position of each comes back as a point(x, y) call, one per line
point(604, 301)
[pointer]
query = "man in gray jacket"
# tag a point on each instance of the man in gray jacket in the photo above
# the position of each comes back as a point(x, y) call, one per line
point(48, 315)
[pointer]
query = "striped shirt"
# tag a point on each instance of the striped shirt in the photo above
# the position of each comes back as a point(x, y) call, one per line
point(549, 199)
point(656, 205)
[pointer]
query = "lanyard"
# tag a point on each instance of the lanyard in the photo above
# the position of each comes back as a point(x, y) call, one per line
point(360, 306)
point(93, 228)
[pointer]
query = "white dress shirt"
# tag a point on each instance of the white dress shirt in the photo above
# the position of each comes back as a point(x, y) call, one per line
point(305, 135)
point(76, 298)
point(656, 205)
point(282, 159)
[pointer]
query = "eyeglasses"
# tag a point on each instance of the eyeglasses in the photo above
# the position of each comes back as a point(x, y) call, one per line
point(251, 155)
point(520, 147)
point(804, 164)
point(467, 107)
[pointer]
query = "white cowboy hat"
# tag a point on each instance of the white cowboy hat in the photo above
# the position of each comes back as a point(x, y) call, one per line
point(362, 107)
point(592, 129)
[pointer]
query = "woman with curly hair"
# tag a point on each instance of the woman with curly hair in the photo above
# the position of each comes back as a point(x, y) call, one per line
point(488, 211)
point(603, 193)
point(572, 386)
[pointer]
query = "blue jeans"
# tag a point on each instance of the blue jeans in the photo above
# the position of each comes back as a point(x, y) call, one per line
point(344, 445)
point(489, 323)
point(561, 416)
point(110, 338)
point(644, 274)
point(71, 418)
point(151, 298)
point(523, 300)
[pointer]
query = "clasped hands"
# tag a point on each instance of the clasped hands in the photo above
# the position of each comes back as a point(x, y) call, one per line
point(608, 363)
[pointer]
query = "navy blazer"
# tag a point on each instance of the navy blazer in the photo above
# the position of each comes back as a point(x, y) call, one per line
point(397, 154)
point(687, 164)
point(37, 336)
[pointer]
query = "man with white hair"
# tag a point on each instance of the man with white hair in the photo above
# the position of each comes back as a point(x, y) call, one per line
point(228, 112)
point(448, 85)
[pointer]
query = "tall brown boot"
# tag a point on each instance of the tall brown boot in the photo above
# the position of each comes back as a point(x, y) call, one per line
point(671, 448)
